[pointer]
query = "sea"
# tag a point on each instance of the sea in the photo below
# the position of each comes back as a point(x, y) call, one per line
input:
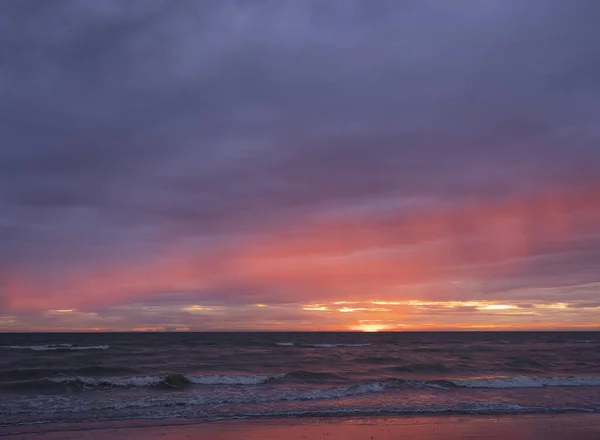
point(109, 377)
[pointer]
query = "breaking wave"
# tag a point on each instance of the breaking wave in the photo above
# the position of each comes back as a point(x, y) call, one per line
point(172, 380)
point(286, 395)
point(528, 382)
point(232, 380)
point(178, 380)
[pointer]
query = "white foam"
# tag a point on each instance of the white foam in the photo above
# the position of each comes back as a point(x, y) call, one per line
point(285, 344)
point(92, 347)
point(528, 382)
point(353, 390)
point(316, 394)
point(223, 379)
point(54, 347)
point(136, 381)
point(152, 381)
point(335, 345)
point(232, 380)
point(486, 407)
point(478, 407)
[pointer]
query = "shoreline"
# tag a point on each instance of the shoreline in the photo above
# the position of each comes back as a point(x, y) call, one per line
point(516, 427)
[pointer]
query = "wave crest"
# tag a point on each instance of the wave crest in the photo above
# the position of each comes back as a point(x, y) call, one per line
point(173, 380)
point(528, 382)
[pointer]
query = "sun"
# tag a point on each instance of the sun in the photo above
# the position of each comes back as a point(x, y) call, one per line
point(371, 328)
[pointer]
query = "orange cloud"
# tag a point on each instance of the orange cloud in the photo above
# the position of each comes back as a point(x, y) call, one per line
point(356, 257)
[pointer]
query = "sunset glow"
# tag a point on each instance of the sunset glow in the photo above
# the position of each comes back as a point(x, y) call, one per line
point(340, 176)
point(414, 271)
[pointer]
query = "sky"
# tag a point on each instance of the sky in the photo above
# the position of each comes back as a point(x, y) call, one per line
point(299, 165)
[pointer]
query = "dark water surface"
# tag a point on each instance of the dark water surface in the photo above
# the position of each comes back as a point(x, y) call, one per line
point(55, 377)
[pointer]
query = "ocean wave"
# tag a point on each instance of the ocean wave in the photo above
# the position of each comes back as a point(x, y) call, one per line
point(232, 380)
point(527, 382)
point(172, 411)
point(428, 350)
point(324, 393)
point(421, 368)
point(19, 374)
point(172, 380)
point(281, 402)
point(28, 378)
point(378, 360)
point(98, 382)
point(214, 404)
point(177, 380)
point(103, 369)
point(334, 345)
point(291, 344)
point(313, 376)
point(29, 374)
point(472, 408)
point(282, 395)
point(49, 347)
point(524, 363)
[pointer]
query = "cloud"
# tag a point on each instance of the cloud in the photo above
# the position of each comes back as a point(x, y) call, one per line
point(242, 152)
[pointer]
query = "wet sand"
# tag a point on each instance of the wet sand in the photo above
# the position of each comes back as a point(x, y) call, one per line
point(520, 427)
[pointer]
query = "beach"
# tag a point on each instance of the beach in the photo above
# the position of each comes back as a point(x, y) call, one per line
point(521, 427)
